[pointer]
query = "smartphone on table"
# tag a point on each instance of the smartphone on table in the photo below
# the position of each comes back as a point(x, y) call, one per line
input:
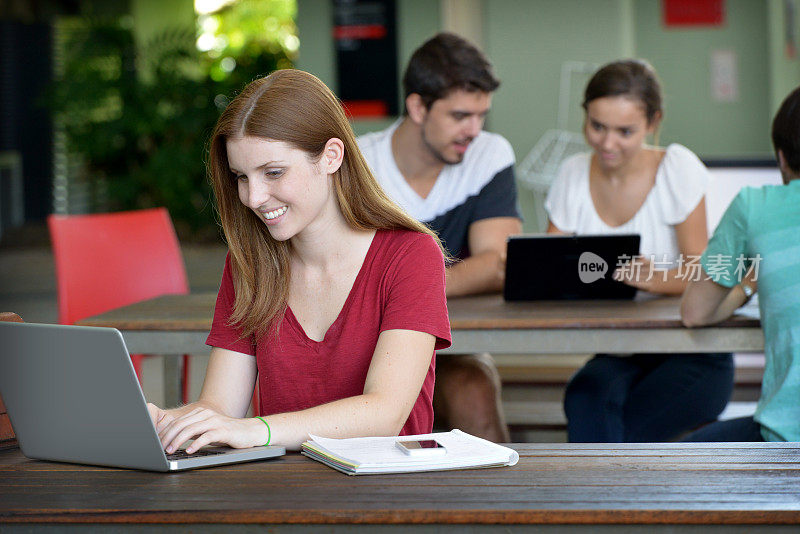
point(424, 447)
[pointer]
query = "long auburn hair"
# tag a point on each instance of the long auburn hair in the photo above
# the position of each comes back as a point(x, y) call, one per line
point(296, 108)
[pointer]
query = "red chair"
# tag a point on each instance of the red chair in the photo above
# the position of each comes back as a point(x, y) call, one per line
point(108, 260)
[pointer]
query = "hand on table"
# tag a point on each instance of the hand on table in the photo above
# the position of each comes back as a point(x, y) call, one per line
point(206, 426)
point(500, 268)
point(640, 273)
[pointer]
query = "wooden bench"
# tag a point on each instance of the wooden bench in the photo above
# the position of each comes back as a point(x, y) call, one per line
point(533, 390)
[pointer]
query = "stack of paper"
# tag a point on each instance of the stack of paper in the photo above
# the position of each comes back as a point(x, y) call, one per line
point(368, 456)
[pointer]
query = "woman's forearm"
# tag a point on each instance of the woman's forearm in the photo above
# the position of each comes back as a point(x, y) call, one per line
point(706, 302)
point(362, 415)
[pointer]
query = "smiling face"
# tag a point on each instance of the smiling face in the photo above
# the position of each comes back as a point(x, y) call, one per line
point(451, 123)
point(616, 128)
point(287, 190)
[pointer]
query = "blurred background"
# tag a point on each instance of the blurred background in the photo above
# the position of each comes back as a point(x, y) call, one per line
point(108, 105)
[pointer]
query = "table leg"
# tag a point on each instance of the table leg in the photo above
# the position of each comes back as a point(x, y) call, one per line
point(173, 371)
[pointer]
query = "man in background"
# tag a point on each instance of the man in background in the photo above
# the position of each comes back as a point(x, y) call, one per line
point(442, 168)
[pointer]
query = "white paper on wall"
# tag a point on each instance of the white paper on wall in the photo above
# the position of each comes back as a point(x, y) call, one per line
point(724, 76)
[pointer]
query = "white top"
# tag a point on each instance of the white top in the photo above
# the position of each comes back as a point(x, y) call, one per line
point(681, 183)
point(488, 154)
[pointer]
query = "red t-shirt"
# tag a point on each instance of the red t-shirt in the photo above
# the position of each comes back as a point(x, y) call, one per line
point(400, 286)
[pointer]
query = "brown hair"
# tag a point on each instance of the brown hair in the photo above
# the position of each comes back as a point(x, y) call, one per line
point(786, 130)
point(296, 108)
point(444, 63)
point(632, 78)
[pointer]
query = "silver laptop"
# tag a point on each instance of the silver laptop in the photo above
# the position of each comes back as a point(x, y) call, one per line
point(72, 396)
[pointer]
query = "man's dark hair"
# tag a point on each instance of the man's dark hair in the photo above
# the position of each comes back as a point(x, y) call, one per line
point(786, 130)
point(446, 63)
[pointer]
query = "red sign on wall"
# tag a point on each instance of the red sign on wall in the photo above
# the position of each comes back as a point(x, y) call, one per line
point(365, 39)
point(693, 12)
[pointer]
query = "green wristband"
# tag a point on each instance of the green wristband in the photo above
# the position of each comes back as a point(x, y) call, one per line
point(269, 431)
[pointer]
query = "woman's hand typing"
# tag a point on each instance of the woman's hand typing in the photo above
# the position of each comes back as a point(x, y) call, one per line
point(205, 426)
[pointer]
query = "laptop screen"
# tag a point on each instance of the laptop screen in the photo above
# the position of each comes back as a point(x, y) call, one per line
point(557, 267)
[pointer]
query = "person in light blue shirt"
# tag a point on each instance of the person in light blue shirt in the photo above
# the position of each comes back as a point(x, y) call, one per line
point(756, 248)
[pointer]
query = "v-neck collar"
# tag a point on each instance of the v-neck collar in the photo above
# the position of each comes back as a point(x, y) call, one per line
point(336, 325)
point(408, 191)
point(647, 199)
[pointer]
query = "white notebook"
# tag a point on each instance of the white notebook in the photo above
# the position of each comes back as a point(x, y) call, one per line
point(378, 455)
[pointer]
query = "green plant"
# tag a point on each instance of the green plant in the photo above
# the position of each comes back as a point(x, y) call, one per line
point(139, 119)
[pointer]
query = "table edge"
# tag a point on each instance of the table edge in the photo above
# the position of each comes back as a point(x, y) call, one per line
point(414, 516)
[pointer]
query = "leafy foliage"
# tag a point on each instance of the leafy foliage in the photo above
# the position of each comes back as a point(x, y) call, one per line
point(243, 31)
point(139, 118)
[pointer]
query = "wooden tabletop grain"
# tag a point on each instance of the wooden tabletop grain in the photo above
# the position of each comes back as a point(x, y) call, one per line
point(552, 484)
point(194, 312)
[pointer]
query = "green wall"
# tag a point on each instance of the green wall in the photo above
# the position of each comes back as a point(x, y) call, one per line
point(528, 41)
point(314, 28)
point(784, 70)
point(682, 58)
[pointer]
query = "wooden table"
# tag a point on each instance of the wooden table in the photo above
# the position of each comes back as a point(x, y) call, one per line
point(179, 324)
point(649, 487)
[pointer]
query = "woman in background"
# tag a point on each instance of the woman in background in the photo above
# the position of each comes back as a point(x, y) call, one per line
point(331, 296)
point(760, 227)
point(627, 187)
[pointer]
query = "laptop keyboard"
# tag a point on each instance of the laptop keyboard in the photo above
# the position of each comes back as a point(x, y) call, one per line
point(182, 454)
